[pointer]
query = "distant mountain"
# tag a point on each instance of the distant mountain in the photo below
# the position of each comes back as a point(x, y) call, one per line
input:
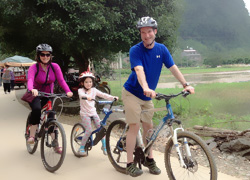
point(216, 22)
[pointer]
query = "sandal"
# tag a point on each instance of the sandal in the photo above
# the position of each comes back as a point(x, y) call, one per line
point(58, 150)
point(31, 140)
point(133, 171)
point(153, 169)
point(82, 152)
point(104, 150)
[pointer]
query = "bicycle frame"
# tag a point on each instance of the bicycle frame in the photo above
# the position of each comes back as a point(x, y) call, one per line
point(101, 131)
point(169, 119)
point(45, 111)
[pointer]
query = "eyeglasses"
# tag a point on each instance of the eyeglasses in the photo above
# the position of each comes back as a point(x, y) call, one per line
point(43, 55)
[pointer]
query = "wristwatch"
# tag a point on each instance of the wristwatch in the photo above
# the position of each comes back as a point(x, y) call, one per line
point(185, 84)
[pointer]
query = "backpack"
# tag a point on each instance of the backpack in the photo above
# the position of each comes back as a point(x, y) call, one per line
point(37, 69)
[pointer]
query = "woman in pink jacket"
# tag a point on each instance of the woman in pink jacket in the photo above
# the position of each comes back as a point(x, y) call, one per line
point(41, 77)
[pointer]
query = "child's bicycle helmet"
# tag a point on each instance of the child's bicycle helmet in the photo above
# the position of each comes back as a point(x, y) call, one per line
point(86, 74)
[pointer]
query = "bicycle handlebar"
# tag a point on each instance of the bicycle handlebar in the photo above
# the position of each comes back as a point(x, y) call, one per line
point(102, 101)
point(44, 94)
point(160, 96)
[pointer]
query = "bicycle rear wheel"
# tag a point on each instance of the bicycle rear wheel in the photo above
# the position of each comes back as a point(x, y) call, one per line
point(116, 145)
point(53, 146)
point(77, 133)
point(31, 148)
point(200, 165)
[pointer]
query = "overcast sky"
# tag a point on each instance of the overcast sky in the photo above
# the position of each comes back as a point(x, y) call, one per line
point(247, 2)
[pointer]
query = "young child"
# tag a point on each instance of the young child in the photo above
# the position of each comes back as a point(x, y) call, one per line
point(87, 108)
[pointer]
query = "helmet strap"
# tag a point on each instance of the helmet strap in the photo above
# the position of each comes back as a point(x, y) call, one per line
point(148, 45)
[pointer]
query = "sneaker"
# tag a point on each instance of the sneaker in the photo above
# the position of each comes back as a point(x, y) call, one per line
point(82, 152)
point(104, 150)
point(153, 169)
point(31, 140)
point(133, 171)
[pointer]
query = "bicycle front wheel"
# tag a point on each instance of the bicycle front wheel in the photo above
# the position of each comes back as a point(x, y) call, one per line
point(53, 146)
point(77, 133)
point(116, 145)
point(200, 165)
point(31, 148)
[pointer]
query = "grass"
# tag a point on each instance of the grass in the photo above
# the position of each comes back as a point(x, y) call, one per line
point(221, 105)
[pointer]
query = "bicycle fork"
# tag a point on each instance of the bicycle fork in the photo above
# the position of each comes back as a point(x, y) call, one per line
point(187, 149)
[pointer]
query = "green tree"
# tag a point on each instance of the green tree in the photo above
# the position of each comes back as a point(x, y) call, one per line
point(82, 29)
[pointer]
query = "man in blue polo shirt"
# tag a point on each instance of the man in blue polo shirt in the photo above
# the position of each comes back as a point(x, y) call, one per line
point(147, 59)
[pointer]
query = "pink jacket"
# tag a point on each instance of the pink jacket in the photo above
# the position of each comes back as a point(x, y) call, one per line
point(38, 82)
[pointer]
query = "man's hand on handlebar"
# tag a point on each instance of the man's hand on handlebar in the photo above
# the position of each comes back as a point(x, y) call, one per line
point(189, 89)
point(149, 93)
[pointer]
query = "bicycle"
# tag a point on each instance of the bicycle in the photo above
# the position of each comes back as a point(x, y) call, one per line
point(51, 133)
point(195, 158)
point(78, 129)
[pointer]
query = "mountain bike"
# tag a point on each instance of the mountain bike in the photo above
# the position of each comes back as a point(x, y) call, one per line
point(78, 129)
point(51, 133)
point(186, 155)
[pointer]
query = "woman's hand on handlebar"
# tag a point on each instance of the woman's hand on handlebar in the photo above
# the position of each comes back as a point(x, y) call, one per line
point(34, 92)
point(69, 94)
point(116, 98)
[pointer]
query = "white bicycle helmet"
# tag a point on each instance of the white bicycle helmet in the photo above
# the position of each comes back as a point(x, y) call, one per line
point(86, 74)
point(146, 22)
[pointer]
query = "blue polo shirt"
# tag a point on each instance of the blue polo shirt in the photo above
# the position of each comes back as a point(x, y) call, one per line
point(152, 61)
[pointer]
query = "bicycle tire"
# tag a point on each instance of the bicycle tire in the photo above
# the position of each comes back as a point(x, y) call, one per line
point(76, 138)
point(117, 151)
point(52, 161)
point(107, 89)
point(31, 148)
point(201, 166)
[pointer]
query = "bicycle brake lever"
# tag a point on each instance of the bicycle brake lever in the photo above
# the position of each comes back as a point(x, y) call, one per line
point(185, 93)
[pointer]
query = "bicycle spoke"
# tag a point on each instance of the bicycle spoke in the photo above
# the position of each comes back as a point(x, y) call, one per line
point(76, 138)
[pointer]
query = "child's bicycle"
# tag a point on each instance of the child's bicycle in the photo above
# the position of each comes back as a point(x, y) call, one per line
point(51, 133)
point(186, 154)
point(78, 130)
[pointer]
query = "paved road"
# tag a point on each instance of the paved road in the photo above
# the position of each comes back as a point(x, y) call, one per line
point(17, 163)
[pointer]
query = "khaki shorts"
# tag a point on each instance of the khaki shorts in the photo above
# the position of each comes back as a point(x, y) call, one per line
point(133, 107)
